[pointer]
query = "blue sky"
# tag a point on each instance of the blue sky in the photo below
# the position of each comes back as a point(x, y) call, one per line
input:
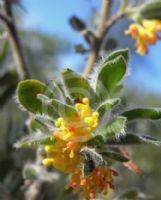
point(52, 16)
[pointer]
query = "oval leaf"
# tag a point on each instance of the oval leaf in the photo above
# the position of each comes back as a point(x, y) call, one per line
point(35, 140)
point(66, 111)
point(151, 10)
point(143, 113)
point(130, 139)
point(107, 105)
point(114, 156)
point(27, 94)
point(76, 85)
point(28, 91)
point(109, 76)
point(114, 128)
point(121, 52)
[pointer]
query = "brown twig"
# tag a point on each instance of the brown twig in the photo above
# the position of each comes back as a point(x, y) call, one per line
point(100, 33)
point(4, 18)
point(14, 40)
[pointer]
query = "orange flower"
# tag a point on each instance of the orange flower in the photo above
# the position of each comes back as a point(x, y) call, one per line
point(99, 181)
point(145, 34)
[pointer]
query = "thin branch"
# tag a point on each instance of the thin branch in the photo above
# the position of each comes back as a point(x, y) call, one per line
point(98, 36)
point(14, 40)
point(100, 33)
point(104, 14)
point(4, 18)
point(114, 19)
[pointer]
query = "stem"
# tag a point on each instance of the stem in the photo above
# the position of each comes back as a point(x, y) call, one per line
point(103, 17)
point(90, 62)
point(114, 19)
point(98, 37)
point(14, 40)
point(100, 33)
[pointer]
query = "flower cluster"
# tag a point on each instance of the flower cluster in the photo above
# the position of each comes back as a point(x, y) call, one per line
point(97, 182)
point(145, 34)
point(65, 155)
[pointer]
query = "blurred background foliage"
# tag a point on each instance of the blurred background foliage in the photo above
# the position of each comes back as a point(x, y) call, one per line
point(43, 53)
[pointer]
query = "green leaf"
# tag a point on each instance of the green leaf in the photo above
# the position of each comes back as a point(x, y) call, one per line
point(96, 141)
point(76, 85)
point(113, 55)
point(107, 105)
point(130, 139)
point(27, 94)
point(35, 140)
point(118, 88)
point(143, 113)
point(114, 128)
point(66, 111)
point(109, 76)
point(37, 123)
point(151, 10)
point(46, 107)
point(57, 89)
point(28, 91)
point(34, 125)
point(114, 156)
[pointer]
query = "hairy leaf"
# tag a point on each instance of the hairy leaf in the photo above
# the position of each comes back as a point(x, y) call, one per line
point(28, 91)
point(121, 52)
point(107, 105)
point(151, 10)
point(114, 128)
point(115, 156)
point(144, 113)
point(27, 94)
point(96, 141)
point(38, 123)
point(58, 89)
point(131, 139)
point(109, 76)
point(35, 140)
point(76, 85)
point(64, 110)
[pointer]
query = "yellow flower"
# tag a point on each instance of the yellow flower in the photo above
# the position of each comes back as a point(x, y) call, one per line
point(81, 125)
point(99, 181)
point(145, 34)
point(63, 156)
point(152, 24)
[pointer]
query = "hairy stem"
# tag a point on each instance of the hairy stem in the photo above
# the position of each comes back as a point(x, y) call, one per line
point(100, 33)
